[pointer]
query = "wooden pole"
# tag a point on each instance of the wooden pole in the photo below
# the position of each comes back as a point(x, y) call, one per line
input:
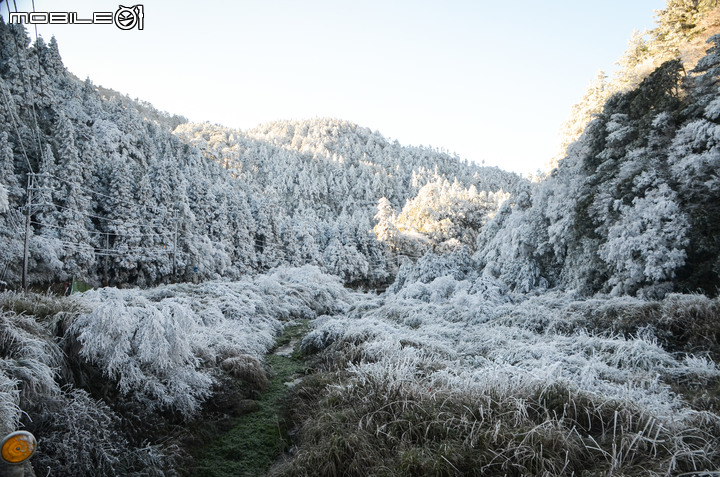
point(107, 256)
point(174, 277)
point(30, 187)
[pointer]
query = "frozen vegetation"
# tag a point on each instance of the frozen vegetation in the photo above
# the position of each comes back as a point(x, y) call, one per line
point(123, 370)
point(128, 195)
point(461, 378)
point(564, 326)
point(441, 376)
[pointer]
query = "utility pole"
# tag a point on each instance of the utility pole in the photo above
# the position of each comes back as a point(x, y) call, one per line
point(174, 277)
point(30, 186)
point(107, 256)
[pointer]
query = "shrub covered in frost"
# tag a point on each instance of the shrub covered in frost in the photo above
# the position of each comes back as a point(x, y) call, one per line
point(146, 347)
point(396, 418)
point(82, 436)
point(9, 398)
point(77, 434)
point(28, 356)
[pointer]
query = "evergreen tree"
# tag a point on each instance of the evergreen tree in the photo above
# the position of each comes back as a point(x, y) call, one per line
point(122, 222)
point(75, 228)
point(694, 161)
point(385, 229)
point(646, 245)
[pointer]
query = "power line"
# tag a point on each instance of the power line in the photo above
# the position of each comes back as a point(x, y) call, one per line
point(89, 232)
point(45, 204)
point(36, 33)
point(14, 219)
point(131, 204)
point(26, 90)
point(116, 250)
point(64, 228)
point(116, 221)
point(17, 131)
point(80, 247)
point(87, 189)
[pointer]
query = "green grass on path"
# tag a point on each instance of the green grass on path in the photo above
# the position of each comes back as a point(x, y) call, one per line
point(260, 437)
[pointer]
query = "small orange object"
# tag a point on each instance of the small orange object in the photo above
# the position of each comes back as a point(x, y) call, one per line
point(18, 447)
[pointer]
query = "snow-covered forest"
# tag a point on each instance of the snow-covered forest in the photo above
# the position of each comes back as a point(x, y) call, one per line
point(117, 197)
point(565, 325)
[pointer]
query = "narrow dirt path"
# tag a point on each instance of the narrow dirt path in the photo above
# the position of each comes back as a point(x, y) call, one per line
point(259, 437)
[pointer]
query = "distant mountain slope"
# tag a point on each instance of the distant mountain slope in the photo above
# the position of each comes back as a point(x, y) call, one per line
point(359, 147)
point(335, 170)
point(119, 198)
point(335, 162)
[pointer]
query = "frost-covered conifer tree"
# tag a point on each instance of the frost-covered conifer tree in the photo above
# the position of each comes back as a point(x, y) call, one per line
point(385, 229)
point(123, 220)
point(646, 245)
point(11, 198)
point(694, 162)
point(75, 228)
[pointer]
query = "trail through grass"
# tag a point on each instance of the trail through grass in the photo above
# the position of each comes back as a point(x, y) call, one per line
point(260, 437)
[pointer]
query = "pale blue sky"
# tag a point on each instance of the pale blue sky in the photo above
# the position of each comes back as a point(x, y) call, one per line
point(491, 81)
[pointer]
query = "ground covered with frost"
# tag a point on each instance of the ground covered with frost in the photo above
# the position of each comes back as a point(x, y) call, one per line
point(462, 378)
point(440, 376)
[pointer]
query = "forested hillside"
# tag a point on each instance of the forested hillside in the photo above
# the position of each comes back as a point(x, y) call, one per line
point(336, 182)
point(119, 198)
point(682, 31)
point(632, 208)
